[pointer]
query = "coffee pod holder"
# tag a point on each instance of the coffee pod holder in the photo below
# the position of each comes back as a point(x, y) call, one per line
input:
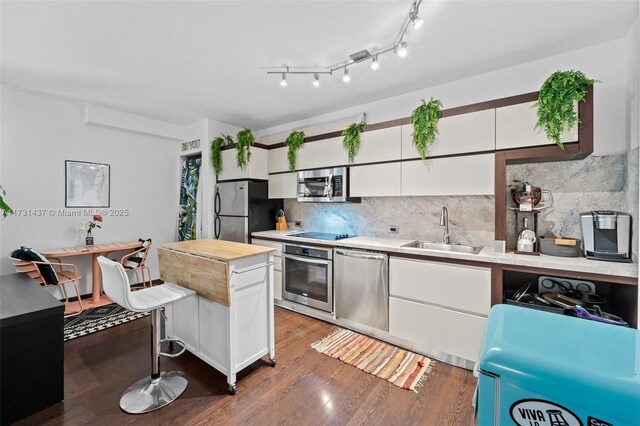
point(532, 217)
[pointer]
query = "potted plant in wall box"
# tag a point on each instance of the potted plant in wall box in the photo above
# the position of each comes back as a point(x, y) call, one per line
point(425, 125)
point(216, 148)
point(351, 141)
point(556, 112)
point(294, 141)
point(244, 140)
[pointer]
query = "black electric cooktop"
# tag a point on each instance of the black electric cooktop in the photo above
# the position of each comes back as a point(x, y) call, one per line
point(321, 235)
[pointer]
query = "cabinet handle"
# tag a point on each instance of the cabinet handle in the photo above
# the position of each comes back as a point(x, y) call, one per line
point(242, 271)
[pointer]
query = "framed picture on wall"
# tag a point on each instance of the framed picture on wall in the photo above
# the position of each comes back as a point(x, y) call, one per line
point(86, 184)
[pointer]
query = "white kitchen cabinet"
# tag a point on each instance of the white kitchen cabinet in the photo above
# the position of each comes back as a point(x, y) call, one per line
point(375, 180)
point(277, 264)
point(233, 323)
point(439, 329)
point(464, 175)
point(255, 169)
point(278, 161)
point(462, 287)
point(379, 145)
point(458, 134)
point(515, 128)
point(283, 185)
point(438, 305)
point(321, 154)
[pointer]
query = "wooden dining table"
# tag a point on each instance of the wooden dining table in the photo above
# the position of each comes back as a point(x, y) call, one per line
point(95, 251)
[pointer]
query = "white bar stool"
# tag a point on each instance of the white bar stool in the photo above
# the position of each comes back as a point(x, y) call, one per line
point(162, 388)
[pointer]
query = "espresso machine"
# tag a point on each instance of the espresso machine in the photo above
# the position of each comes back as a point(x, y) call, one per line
point(606, 235)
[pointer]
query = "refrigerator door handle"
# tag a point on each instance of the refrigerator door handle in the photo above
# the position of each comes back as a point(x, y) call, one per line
point(216, 227)
point(216, 202)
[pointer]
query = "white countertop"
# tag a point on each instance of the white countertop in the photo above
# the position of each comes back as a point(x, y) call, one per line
point(488, 255)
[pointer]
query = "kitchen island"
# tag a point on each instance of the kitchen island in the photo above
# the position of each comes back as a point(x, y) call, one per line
point(229, 322)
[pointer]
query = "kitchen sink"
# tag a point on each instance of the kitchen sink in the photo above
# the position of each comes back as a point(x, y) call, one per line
point(434, 246)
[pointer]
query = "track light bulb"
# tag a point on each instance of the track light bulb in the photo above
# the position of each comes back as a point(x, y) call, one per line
point(417, 21)
point(402, 50)
point(346, 78)
point(283, 82)
point(316, 80)
point(374, 63)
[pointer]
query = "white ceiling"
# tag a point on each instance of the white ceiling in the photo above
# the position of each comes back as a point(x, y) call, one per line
point(184, 61)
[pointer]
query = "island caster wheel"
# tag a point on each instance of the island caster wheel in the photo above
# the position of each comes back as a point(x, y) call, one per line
point(272, 362)
point(232, 389)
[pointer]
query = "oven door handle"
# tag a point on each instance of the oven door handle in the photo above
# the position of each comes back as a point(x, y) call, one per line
point(307, 259)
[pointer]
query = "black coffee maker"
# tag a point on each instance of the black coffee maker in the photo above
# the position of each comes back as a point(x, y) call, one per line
point(606, 235)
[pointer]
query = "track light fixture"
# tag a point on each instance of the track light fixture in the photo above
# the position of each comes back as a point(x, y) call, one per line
point(346, 77)
point(399, 46)
point(374, 63)
point(402, 49)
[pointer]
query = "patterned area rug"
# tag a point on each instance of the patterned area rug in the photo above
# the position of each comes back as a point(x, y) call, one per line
point(398, 366)
point(97, 319)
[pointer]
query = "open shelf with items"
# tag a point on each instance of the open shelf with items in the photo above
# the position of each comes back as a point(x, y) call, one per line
point(620, 294)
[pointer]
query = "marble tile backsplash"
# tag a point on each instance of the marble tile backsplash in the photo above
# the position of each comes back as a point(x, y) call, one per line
point(595, 183)
point(471, 218)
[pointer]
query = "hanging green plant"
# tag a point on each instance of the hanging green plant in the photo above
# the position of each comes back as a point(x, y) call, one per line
point(244, 140)
point(425, 125)
point(6, 210)
point(351, 141)
point(294, 141)
point(556, 112)
point(216, 148)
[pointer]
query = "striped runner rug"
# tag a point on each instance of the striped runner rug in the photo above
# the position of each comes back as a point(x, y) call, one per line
point(398, 366)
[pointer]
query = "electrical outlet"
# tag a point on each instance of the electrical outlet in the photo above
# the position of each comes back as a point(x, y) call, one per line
point(393, 229)
point(298, 223)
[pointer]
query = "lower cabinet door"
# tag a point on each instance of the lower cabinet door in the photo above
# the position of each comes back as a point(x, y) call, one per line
point(185, 322)
point(437, 328)
point(213, 329)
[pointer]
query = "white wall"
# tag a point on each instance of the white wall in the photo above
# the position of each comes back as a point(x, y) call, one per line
point(604, 62)
point(38, 134)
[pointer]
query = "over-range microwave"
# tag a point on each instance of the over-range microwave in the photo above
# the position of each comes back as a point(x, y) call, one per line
point(325, 186)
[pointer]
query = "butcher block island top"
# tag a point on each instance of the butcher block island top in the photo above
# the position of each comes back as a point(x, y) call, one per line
point(217, 249)
point(203, 265)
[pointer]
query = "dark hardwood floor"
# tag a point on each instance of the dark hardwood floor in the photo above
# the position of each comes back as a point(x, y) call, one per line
point(305, 388)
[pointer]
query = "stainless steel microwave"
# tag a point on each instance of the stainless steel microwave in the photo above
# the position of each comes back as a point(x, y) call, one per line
point(324, 186)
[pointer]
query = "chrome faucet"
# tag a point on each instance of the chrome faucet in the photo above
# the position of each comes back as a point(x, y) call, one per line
point(444, 221)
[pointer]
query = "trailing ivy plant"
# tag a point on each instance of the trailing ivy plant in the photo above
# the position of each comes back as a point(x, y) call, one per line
point(425, 125)
point(244, 140)
point(216, 147)
point(294, 141)
point(556, 112)
point(351, 141)
point(6, 210)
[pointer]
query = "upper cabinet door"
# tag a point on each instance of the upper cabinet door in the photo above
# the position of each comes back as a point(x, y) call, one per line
point(472, 132)
point(321, 154)
point(464, 175)
point(379, 145)
point(278, 160)
point(256, 169)
point(515, 128)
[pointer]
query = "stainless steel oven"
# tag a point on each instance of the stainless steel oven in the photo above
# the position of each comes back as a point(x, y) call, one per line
point(307, 274)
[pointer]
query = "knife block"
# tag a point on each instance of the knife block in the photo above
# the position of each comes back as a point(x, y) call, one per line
point(281, 224)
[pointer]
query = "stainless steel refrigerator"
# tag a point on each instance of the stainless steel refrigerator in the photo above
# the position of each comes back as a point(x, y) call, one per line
point(243, 207)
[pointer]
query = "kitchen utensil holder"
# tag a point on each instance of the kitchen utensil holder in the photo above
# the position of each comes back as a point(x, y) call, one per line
point(533, 225)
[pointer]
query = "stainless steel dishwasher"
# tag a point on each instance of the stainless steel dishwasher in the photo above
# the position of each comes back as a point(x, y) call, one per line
point(361, 287)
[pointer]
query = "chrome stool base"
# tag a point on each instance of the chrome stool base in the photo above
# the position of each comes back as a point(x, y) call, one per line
point(150, 394)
